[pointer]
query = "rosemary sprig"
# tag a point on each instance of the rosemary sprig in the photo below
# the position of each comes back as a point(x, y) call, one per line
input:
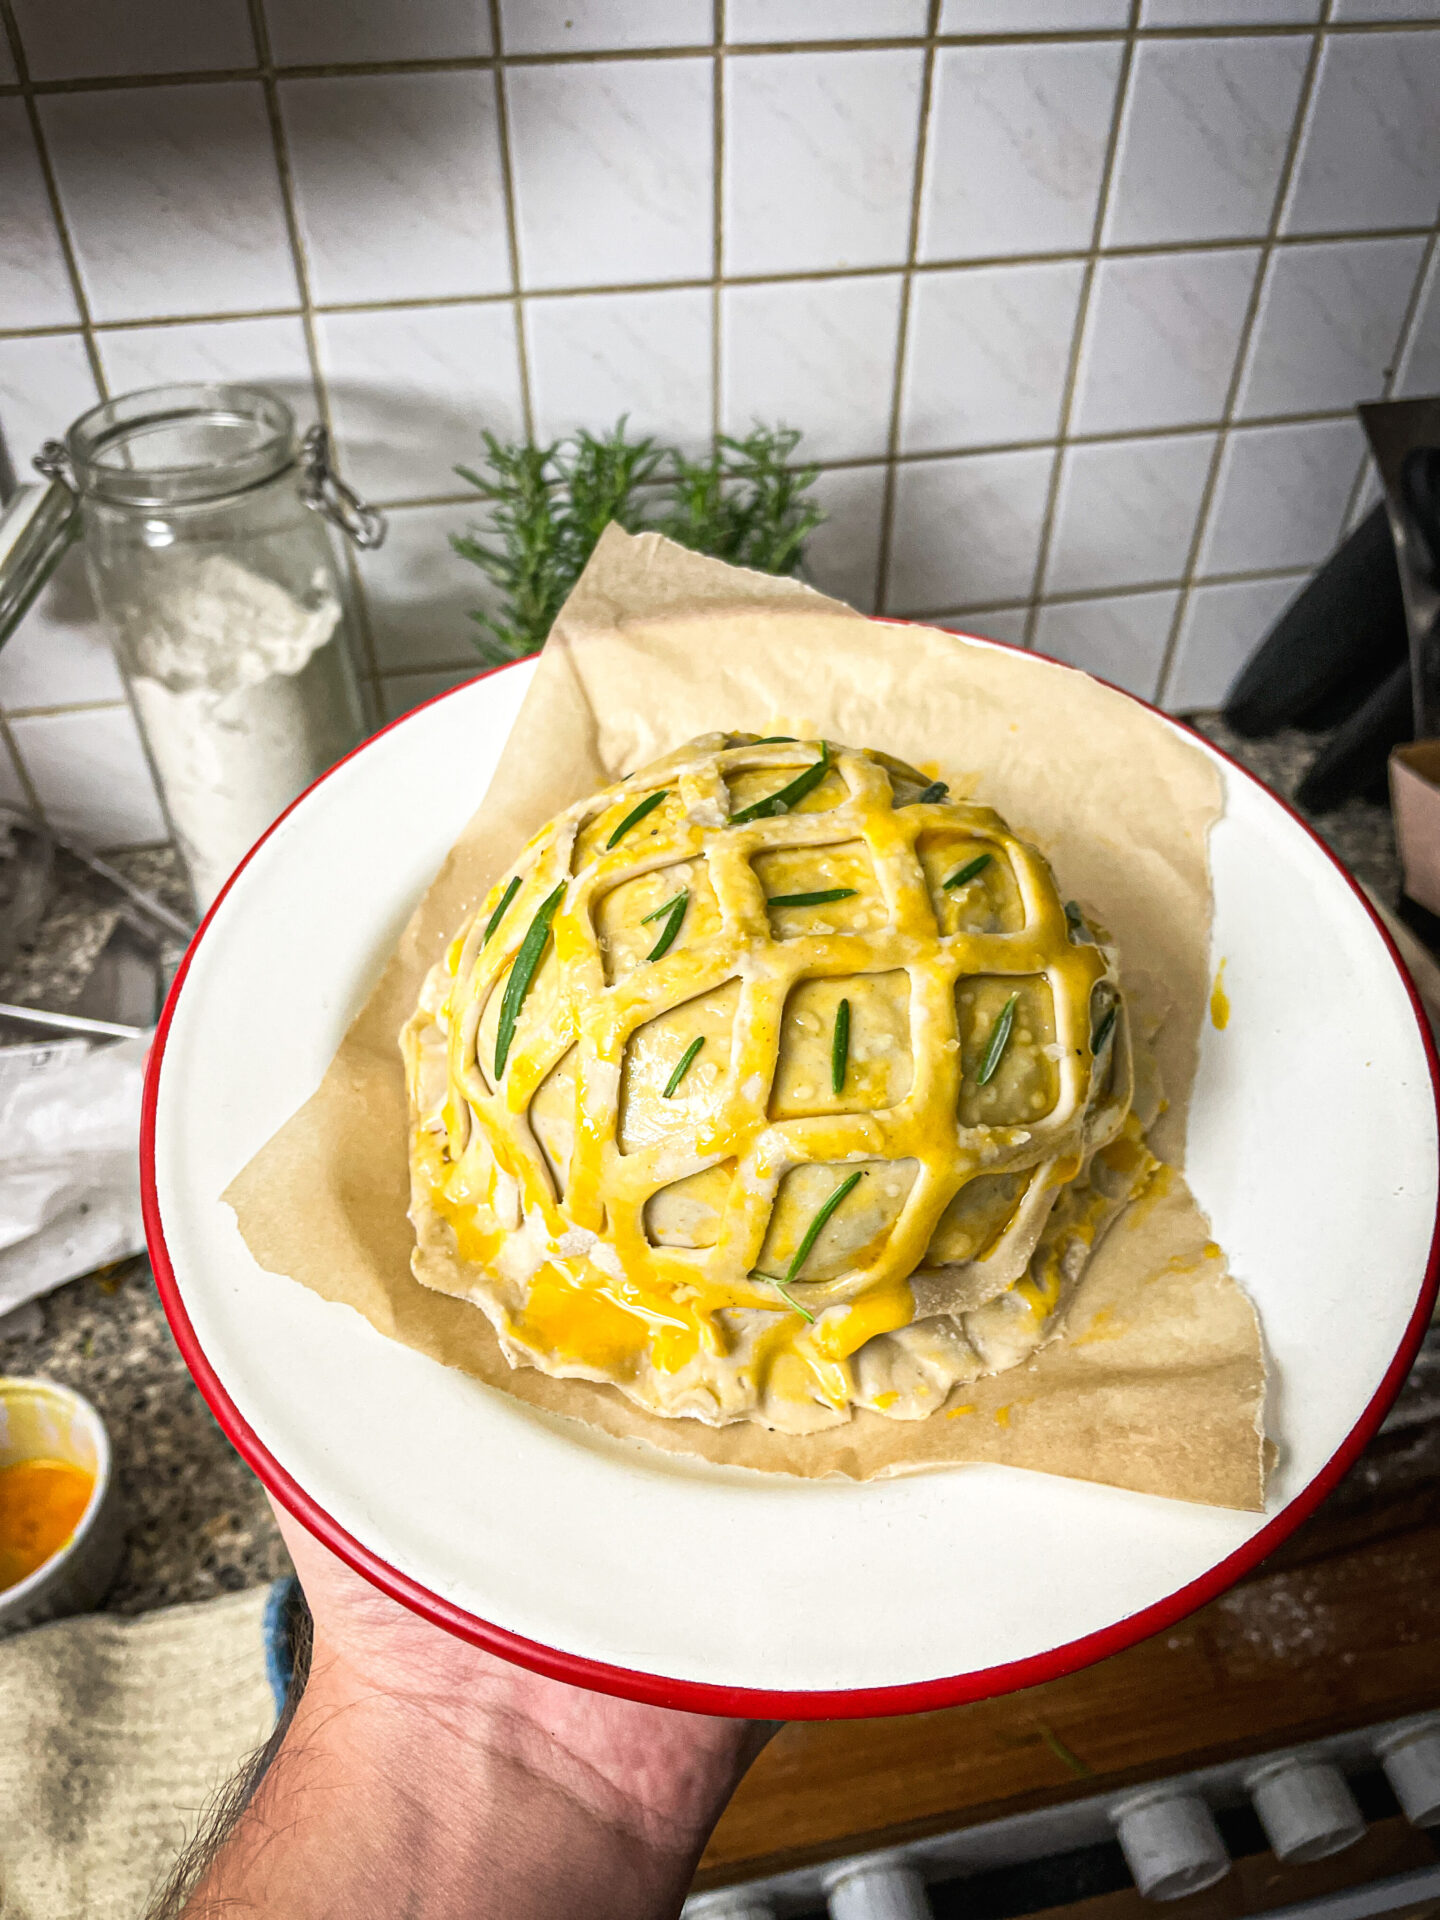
point(962, 876)
point(682, 1067)
point(788, 1298)
point(547, 505)
point(499, 914)
point(817, 1225)
point(820, 899)
point(675, 909)
point(802, 1252)
point(776, 740)
point(635, 816)
point(999, 1040)
point(936, 790)
point(840, 1047)
point(787, 797)
point(521, 974)
point(1102, 1032)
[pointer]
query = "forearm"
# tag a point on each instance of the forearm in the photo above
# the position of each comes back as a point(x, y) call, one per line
point(438, 1809)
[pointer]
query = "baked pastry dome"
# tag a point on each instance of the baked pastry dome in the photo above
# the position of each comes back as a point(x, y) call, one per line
point(771, 1082)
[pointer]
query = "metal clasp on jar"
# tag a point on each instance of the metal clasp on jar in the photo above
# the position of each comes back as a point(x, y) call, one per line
point(323, 491)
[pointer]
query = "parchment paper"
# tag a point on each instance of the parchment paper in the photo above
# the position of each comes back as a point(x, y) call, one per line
point(1158, 1382)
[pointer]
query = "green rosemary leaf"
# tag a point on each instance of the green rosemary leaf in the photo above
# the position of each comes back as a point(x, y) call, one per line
point(999, 1040)
point(676, 911)
point(546, 506)
point(665, 907)
point(787, 797)
point(682, 1066)
point(936, 790)
point(789, 1299)
point(1102, 1032)
point(840, 1047)
point(635, 816)
point(963, 875)
point(499, 914)
point(521, 974)
point(775, 740)
point(820, 899)
point(816, 1226)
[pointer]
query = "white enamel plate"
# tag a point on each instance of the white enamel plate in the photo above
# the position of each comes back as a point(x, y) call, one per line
point(1313, 1146)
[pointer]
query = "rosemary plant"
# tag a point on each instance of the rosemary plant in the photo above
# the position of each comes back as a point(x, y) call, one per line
point(549, 505)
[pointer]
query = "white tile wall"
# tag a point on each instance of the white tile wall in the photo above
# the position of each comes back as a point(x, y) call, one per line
point(613, 171)
point(1120, 639)
point(315, 32)
point(402, 691)
point(12, 787)
point(987, 356)
point(1370, 150)
point(1161, 338)
point(574, 26)
point(35, 288)
point(1280, 496)
point(843, 555)
point(1222, 626)
point(966, 531)
point(397, 185)
point(270, 352)
point(1007, 624)
point(411, 388)
point(532, 240)
point(1017, 148)
point(64, 39)
point(1126, 511)
point(1227, 13)
point(172, 197)
point(1031, 16)
point(781, 20)
point(45, 383)
point(819, 159)
point(646, 355)
point(420, 592)
point(90, 775)
point(1420, 363)
point(60, 655)
point(1328, 330)
point(815, 354)
point(1203, 140)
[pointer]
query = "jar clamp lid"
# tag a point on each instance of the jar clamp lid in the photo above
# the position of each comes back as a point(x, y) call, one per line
point(200, 445)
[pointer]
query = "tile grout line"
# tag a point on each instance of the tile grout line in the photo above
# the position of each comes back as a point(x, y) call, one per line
point(742, 49)
point(717, 225)
point(896, 268)
point(300, 262)
point(1077, 337)
point(512, 222)
point(1242, 352)
point(27, 786)
point(902, 319)
point(923, 456)
point(1409, 324)
point(26, 90)
point(970, 610)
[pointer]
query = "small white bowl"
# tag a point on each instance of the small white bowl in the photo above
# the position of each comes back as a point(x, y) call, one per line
point(41, 1420)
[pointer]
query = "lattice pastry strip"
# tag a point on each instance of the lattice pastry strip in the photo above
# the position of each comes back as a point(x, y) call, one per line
point(752, 1089)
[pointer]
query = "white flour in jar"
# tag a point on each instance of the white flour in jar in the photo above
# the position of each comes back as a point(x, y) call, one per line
point(242, 702)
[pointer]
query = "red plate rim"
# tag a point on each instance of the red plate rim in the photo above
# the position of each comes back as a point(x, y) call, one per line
point(921, 1696)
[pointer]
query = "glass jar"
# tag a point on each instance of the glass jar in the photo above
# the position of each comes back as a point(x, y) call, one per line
point(201, 517)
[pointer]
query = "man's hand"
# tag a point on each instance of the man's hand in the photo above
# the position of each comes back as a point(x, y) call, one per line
point(425, 1777)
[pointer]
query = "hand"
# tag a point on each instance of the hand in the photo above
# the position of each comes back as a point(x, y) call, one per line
point(423, 1775)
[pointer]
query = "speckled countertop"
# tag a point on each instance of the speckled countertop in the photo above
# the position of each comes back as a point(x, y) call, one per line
point(198, 1520)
